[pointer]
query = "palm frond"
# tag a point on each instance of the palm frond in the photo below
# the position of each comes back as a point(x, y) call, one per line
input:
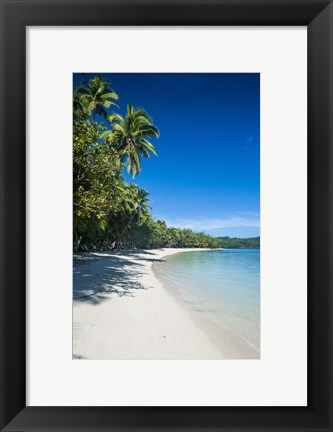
point(91, 106)
point(147, 130)
point(111, 95)
point(115, 117)
point(107, 104)
point(149, 146)
point(107, 134)
point(118, 127)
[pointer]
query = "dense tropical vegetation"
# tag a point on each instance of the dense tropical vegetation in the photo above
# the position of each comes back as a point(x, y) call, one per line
point(239, 243)
point(109, 212)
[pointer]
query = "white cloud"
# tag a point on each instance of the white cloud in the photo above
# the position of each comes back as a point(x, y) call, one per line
point(204, 224)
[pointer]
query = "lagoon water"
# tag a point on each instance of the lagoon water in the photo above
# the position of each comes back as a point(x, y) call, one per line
point(222, 286)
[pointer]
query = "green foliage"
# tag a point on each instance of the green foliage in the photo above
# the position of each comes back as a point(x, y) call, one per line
point(130, 135)
point(97, 96)
point(240, 243)
point(96, 179)
point(155, 234)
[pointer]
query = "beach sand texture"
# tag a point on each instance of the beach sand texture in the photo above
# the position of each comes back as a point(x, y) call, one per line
point(122, 311)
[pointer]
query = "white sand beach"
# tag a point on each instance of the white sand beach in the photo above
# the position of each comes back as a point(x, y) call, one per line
point(122, 311)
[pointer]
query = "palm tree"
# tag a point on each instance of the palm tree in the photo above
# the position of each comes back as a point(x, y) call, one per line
point(140, 199)
point(97, 96)
point(130, 135)
point(79, 108)
point(142, 206)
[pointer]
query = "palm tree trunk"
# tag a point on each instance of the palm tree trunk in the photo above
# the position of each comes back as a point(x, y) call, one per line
point(77, 241)
point(134, 211)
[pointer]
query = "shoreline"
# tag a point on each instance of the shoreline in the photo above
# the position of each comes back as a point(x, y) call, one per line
point(232, 344)
point(121, 310)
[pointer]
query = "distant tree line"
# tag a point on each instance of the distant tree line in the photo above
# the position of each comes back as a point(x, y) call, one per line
point(239, 243)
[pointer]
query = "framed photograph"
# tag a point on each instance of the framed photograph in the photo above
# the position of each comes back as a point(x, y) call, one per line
point(166, 217)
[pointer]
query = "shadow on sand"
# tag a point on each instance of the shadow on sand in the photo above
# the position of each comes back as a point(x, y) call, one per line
point(107, 274)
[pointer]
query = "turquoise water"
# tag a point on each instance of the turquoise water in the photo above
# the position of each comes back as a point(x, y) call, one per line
point(221, 285)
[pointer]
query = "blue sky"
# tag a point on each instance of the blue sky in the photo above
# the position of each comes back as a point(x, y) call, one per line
point(207, 173)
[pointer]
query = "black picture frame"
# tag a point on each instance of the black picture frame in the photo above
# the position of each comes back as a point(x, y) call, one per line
point(16, 15)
